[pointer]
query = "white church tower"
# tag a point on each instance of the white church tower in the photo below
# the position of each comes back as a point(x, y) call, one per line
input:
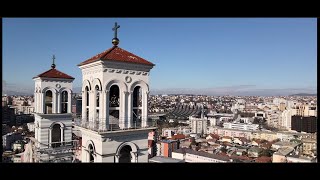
point(53, 119)
point(114, 123)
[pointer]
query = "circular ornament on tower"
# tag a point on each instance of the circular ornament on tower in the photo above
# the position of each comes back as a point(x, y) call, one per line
point(128, 79)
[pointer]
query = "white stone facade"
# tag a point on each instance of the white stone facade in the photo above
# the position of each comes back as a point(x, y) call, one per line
point(107, 146)
point(104, 74)
point(51, 118)
point(44, 124)
point(101, 142)
point(57, 86)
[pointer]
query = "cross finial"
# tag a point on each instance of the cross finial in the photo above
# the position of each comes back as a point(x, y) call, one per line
point(115, 40)
point(53, 65)
point(115, 29)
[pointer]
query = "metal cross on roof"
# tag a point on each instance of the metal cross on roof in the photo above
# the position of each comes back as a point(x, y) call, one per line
point(53, 65)
point(115, 29)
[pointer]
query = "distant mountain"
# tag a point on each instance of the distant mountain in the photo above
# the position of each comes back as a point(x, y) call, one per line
point(303, 94)
point(16, 93)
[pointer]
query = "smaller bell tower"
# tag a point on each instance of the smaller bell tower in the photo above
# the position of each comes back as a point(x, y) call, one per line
point(53, 118)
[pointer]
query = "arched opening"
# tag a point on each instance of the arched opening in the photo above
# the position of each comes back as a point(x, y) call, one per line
point(48, 102)
point(56, 135)
point(125, 154)
point(97, 101)
point(114, 107)
point(87, 102)
point(64, 102)
point(91, 158)
point(137, 106)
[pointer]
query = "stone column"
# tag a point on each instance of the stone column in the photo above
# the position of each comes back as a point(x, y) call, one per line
point(130, 104)
point(35, 100)
point(54, 102)
point(134, 157)
point(37, 103)
point(94, 105)
point(62, 134)
point(59, 103)
point(84, 104)
point(101, 96)
point(101, 110)
point(116, 158)
point(91, 106)
point(122, 112)
point(145, 108)
point(106, 103)
point(69, 103)
point(43, 104)
point(50, 138)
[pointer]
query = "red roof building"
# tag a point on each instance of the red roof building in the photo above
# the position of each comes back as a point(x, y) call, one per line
point(263, 159)
point(117, 54)
point(54, 73)
point(178, 136)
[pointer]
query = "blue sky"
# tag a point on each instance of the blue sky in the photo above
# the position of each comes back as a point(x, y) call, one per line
point(198, 54)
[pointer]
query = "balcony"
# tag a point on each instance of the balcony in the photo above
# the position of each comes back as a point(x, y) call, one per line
point(54, 152)
point(99, 125)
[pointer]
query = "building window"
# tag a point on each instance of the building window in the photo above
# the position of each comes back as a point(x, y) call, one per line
point(56, 136)
point(97, 96)
point(87, 114)
point(91, 152)
point(87, 94)
point(64, 102)
point(48, 102)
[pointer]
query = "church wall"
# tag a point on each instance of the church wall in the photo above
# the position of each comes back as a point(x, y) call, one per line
point(106, 145)
point(50, 83)
point(43, 123)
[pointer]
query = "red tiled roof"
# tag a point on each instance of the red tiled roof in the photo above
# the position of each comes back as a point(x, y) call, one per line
point(241, 157)
point(117, 54)
point(214, 136)
point(54, 73)
point(263, 159)
point(178, 136)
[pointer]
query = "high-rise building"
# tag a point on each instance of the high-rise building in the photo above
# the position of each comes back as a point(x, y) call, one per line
point(305, 110)
point(304, 124)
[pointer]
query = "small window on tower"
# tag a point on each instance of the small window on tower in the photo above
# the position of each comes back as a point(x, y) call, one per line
point(64, 102)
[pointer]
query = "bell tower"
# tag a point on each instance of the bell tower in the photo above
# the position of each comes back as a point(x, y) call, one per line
point(53, 119)
point(115, 89)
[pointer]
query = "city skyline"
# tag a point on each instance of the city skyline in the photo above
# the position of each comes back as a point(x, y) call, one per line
point(214, 56)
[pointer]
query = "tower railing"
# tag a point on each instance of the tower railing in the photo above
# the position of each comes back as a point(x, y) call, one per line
point(100, 125)
point(63, 151)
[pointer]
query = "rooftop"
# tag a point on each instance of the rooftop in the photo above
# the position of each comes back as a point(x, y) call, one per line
point(54, 73)
point(117, 54)
point(284, 151)
point(205, 154)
